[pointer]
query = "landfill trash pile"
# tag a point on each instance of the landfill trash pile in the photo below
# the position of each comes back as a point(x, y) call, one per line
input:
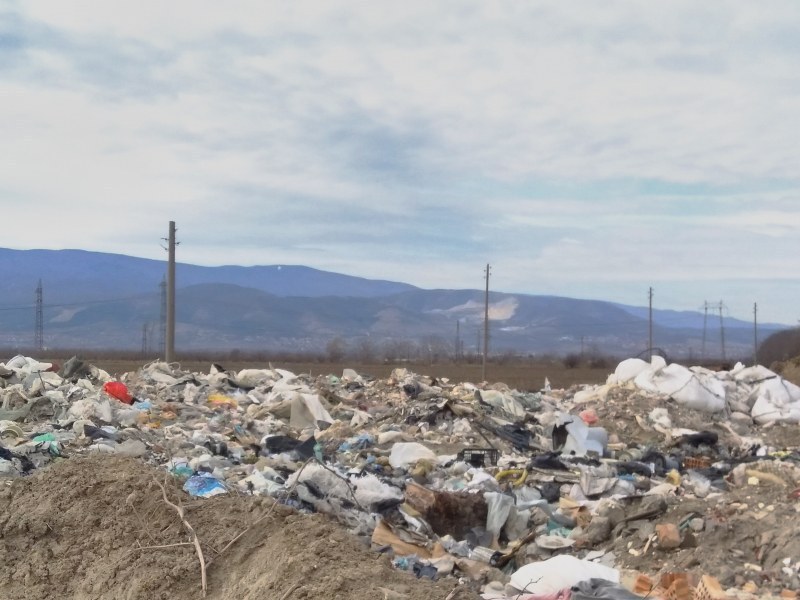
point(665, 482)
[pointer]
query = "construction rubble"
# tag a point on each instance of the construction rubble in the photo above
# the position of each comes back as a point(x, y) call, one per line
point(666, 482)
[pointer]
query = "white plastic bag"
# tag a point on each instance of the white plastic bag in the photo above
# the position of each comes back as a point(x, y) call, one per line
point(557, 573)
point(407, 453)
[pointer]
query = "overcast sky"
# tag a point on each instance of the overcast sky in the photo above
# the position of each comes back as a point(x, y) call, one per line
point(583, 148)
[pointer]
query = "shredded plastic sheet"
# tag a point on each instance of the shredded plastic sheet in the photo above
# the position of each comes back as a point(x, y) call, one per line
point(204, 486)
point(504, 402)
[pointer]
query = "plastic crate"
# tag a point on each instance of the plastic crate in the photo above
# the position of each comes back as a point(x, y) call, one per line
point(479, 457)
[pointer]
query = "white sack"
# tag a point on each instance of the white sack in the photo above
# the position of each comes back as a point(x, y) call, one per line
point(754, 374)
point(557, 573)
point(408, 453)
point(666, 380)
point(306, 411)
point(251, 378)
point(24, 366)
point(696, 390)
point(776, 400)
point(702, 393)
point(628, 369)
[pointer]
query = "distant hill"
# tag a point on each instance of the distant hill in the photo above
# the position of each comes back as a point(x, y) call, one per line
point(96, 300)
point(79, 276)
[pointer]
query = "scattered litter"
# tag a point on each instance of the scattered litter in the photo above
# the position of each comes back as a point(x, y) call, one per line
point(662, 477)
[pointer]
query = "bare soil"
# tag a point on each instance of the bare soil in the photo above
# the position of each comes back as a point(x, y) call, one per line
point(745, 537)
point(98, 528)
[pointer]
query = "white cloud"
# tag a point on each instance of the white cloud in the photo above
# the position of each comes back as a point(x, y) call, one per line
point(577, 146)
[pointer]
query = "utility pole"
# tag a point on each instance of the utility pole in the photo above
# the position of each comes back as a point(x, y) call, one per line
point(755, 333)
point(722, 330)
point(162, 322)
point(458, 340)
point(485, 325)
point(582, 345)
point(650, 323)
point(38, 332)
point(144, 340)
point(705, 327)
point(169, 354)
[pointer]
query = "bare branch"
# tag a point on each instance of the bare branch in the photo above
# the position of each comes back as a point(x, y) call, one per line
point(192, 534)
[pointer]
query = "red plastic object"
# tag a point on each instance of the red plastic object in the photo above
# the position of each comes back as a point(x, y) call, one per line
point(589, 416)
point(118, 390)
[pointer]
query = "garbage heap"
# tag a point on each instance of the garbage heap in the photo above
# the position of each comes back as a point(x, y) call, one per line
point(666, 482)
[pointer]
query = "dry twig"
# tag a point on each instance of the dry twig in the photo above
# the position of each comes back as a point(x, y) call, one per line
point(452, 594)
point(525, 589)
point(190, 529)
point(289, 591)
point(140, 547)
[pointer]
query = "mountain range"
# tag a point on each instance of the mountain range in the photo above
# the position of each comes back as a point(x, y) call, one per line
point(112, 301)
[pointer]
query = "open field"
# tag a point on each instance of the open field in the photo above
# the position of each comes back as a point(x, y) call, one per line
point(521, 373)
point(529, 376)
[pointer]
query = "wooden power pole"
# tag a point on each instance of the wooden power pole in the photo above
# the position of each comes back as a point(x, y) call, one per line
point(755, 333)
point(170, 349)
point(722, 330)
point(650, 324)
point(485, 325)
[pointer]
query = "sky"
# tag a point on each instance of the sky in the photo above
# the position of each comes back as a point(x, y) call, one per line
point(586, 149)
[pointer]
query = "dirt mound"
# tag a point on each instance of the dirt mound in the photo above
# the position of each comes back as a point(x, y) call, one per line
point(98, 527)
